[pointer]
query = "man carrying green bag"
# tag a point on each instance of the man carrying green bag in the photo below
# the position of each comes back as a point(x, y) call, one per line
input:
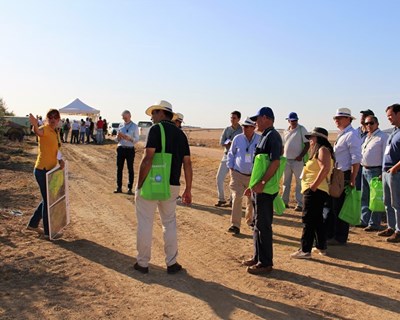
point(166, 149)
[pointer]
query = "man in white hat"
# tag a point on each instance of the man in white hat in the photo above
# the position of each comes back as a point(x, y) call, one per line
point(178, 119)
point(240, 164)
point(176, 143)
point(347, 151)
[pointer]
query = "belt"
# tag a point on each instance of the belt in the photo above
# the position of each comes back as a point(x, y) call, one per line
point(247, 175)
point(125, 147)
point(375, 167)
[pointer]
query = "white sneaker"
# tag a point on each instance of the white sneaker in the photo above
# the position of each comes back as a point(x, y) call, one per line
point(319, 251)
point(301, 255)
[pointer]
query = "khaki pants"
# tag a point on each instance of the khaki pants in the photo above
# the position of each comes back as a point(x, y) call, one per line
point(238, 184)
point(145, 215)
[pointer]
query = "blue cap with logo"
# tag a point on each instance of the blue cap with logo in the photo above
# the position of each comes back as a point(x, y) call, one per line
point(264, 111)
point(292, 116)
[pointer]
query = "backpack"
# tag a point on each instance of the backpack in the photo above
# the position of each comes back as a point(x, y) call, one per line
point(336, 183)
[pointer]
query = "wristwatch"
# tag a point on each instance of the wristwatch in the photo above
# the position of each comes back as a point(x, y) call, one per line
point(263, 182)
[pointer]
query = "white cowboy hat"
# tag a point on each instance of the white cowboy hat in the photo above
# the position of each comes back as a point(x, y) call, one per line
point(178, 116)
point(248, 123)
point(343, 112)
point(160, 105)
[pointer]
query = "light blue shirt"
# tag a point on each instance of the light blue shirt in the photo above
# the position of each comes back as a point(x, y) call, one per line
point(347, 148)
point(241, 153)
point(130, 129)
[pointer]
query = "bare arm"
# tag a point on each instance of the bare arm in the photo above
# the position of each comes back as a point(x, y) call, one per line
point(35, 125)
point(145, 165)
point(303, 152)
point(188, 171)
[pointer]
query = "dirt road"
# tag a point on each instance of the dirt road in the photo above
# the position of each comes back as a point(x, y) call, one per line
point(89, 273)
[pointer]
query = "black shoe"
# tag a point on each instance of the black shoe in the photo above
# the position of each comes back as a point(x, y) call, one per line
point(130, 192)
point(220, 203)
point(234, 230)
point(176, 267)
point(334, 242)
point(140, 268)
point(118, 190)
point(298, 209)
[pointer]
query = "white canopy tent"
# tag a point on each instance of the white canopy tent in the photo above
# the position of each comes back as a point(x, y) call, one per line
point(78, 108)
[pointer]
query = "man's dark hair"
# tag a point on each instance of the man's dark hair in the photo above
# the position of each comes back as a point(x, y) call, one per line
point(237, 113)
point(395, 107)
point(168, 115)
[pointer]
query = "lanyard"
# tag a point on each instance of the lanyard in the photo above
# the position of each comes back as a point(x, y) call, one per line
point(250, 143)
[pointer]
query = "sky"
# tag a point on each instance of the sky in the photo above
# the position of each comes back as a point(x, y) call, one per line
point(206, 57)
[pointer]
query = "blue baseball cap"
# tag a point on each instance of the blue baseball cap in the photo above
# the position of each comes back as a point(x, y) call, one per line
point(292, 116)
point(264, 111)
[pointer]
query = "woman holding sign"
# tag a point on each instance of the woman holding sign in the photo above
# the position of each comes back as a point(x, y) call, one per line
point(48, 158)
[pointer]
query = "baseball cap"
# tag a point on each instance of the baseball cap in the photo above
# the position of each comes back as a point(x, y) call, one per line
point(264, 111)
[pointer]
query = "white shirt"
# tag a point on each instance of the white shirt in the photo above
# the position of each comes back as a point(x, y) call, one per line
point(373, 149)
point(132, 130)
point(347, 148)
point(294, 142)
point(75, 125)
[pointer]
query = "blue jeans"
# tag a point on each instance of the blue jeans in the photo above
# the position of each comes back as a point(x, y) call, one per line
point(368, 219)
point(41, 210)
point(391, 197)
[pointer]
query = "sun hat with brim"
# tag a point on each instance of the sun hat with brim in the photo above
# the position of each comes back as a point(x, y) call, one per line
point(160, 105)
point(317, 132)
point(343, 112)
point(178, 116)
point(248, 123)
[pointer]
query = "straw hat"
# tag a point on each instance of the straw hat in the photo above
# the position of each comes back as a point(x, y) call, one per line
point(343, 112)
point(178, 116)
point(160, 105)
point(248, 123)
point(318, 132)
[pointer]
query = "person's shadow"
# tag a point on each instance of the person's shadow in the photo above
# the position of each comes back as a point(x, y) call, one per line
point(223, 300)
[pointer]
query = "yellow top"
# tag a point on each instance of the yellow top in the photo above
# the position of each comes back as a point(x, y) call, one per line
point(310, 174)
point(48, 148)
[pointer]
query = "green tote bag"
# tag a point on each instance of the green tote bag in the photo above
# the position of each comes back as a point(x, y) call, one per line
point(156, 185)
point(351, 209)
point(376, 195)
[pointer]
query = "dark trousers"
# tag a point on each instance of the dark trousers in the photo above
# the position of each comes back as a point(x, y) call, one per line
point(337, 228)
point(41, 210)
point(314, 227)
point(123, 154)
point(74, 136)
point(262, 236)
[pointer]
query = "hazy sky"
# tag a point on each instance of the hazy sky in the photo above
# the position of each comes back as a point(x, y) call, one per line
point(206, 57)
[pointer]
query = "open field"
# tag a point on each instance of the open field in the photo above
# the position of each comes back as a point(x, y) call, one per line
point(89, 274)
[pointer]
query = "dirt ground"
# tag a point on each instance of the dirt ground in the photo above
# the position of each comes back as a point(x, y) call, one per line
point(89, 274)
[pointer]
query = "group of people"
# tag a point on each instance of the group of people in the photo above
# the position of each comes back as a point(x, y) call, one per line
point(83, 129)
point(378, 155)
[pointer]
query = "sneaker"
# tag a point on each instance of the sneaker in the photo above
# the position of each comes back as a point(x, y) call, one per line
point(371, 228)
point(234, 230)
point(258, 269)
point(141, 269)
point(37, 229)
point(176, 267)
point(298, 209)
point(361, 225)
point(220, 203)
point(385, 233)
point(321, 252)
point(118, 190)
point(287, 206)
point(130, 192)
point(394, 238)
point(301, 255)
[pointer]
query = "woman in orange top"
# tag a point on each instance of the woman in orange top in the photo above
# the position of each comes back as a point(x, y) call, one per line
point(315, 189)
point(48, 157)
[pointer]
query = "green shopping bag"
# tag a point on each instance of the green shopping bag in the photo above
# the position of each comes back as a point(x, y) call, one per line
point(156, 185)
point(351, 209)
point(260, 166)
point(376, 203)
point(279, 205)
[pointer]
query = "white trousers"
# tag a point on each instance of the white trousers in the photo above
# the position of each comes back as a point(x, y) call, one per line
point(293, 167)
point(145, 210)
point(221, 175)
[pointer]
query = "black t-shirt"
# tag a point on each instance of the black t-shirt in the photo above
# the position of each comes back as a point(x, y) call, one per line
point(270, 143)
point(176, 143)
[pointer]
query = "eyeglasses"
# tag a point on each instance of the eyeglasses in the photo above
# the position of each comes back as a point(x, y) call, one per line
point(370, 123)
point(53, 117)
point(292, 120)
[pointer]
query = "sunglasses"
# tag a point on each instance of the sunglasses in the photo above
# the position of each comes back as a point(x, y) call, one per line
point(369, 123)
point(53, 117)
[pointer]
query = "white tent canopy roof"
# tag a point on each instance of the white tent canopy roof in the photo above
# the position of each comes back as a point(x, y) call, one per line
point(77, 107)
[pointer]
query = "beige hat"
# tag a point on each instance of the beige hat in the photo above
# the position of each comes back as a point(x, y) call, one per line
point(178, 116)
point(343, 112)
point(160, 105)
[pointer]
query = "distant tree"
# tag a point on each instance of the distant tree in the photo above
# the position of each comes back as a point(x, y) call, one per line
point(3, 109)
